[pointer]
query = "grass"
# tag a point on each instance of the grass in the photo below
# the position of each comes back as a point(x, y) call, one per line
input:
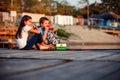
point(63, 34)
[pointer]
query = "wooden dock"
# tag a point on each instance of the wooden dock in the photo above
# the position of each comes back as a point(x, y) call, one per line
point(113, 32)
point(59, 65)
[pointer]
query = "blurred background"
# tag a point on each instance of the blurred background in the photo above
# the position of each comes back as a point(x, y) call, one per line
point(82, 21)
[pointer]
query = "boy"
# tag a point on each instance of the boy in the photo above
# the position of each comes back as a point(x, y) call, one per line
point(47, 34)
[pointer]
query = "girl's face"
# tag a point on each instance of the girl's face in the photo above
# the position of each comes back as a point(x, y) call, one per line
point(28, 22)
point(45, 23)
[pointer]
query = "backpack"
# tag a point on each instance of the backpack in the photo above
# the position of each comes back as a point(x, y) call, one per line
point(52, 38)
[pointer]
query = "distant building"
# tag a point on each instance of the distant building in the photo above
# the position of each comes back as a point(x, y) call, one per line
point(106, 19)
point(63, 20)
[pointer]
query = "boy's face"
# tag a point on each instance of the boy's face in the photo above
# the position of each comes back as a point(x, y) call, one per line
point(45, 23)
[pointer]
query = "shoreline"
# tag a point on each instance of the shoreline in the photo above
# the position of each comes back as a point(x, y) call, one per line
point(92, 45)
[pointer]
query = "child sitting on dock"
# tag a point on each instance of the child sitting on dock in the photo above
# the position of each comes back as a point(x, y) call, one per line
point(48, 36)
point(23, 32)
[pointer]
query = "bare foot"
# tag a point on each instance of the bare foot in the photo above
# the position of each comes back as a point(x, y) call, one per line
point(45, 47)
point(52, 47)
point(42, 47)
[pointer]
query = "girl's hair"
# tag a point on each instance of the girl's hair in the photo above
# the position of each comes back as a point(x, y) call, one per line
point(42, 19)
point(22, 24)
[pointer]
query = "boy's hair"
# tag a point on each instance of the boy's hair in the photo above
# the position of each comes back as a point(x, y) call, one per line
point(42, 19)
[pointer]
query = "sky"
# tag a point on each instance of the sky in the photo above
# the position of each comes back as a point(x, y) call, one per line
point(75, 2)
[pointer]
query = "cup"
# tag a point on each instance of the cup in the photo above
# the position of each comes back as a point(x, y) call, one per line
point(49, 27)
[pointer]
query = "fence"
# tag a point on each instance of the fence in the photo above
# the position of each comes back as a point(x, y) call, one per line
point(7, 37)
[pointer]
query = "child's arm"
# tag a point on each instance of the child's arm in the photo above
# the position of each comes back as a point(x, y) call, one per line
point(45, 33)
point(34, 30)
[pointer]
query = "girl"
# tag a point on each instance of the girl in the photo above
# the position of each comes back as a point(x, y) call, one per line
point(23, 32)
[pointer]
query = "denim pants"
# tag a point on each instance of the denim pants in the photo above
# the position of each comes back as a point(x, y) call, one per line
point(37, 38)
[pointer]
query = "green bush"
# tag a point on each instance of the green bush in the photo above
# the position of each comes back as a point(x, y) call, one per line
point(63, 33)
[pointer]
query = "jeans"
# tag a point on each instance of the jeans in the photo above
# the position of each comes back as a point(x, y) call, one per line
point(37, 38)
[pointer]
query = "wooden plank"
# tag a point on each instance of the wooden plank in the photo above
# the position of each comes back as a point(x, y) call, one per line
point(73, 55)
point(76, 70)
point(9, 45)
point(55, 55)
point(114, 57)
point(113, 76)
point(14, 66)
point(53, 65)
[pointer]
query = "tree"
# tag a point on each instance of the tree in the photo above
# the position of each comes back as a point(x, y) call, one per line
point(8, 5)
point(4, 5)
point(48, 7)
point(88, 11)
point(29, 6)
point(97, 8)
point(112, 5)
point(64, 8)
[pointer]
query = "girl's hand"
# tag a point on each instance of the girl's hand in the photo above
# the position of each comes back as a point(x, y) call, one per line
point(34, 27)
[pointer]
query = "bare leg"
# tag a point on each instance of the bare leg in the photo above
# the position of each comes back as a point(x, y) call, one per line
point(43, 46)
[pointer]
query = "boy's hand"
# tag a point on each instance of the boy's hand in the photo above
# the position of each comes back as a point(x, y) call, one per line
point(46, 28)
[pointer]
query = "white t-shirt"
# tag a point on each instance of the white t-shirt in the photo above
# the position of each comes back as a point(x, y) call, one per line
point(21, 42)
